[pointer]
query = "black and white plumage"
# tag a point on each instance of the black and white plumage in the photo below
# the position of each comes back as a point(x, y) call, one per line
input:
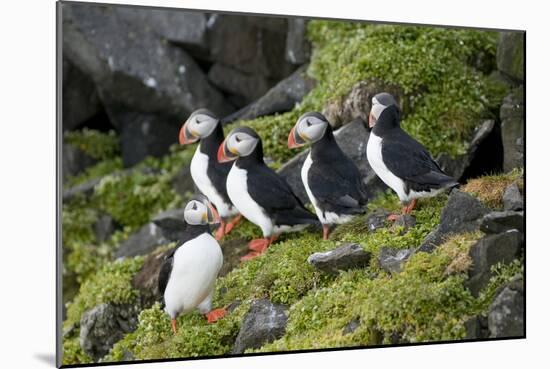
point(398, 159)
point(188, 274)
point(208, 174)
point(258, 192)
point(332, 181)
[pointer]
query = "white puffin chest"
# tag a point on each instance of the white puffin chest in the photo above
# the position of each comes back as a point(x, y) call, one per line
point(199, 173)
point(195, 268)
point(374, 156)
point(237, 190)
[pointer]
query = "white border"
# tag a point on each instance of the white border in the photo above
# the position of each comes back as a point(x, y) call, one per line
point(27, 206)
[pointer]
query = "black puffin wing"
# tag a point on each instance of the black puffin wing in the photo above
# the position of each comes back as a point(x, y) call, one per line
point(271, 191)
point(410, 161)
point(337, 187)
point(165, 270)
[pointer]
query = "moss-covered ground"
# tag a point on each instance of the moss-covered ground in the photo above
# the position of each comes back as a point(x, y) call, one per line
point(444, 76)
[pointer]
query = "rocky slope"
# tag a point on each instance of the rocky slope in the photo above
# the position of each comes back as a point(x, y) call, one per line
point(453, 270)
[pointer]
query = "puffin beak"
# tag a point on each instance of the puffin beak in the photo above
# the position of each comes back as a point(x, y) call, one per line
point(294, 139)
point(223, 157)
point(212, 215)
point(372, 120)
point(186, 136)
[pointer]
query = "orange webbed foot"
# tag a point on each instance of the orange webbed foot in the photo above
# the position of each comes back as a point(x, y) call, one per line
point(215, 315)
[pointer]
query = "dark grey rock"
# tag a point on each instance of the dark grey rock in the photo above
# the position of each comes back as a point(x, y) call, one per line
point(80, 100)
point(391, 260)
point(141, 79)
point(352, 139)
point(462, 213)
point(146, 280)
point(83, 189)
point(298, 48)
point(231, 80)
point(347, 256)
point(74, 161)
point(501, 221)
point(476, 328)
point(483, 154)
point(252, 45)
point(512, 119)
point(145, 240)
point(104, 325)
point(512, 198)
point(104, 227)
point(263, 323)
point(488, 251)
point(184, 28)
point(511, 54)
point(171, 223)
point(183, 182)
point(281, 98)
point(377, 219)
point(357, 103)
point(406, 221)
point(506, 313)
point(351, 326)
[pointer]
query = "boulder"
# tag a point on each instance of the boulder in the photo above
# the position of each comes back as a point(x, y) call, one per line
point(488, 251)
point(171, 223)
point(104, 227)
point(512, 199)
point(357, 103)
point(352, 139)
point(104, 325)
point(462, 213)
point(252, 45)
point(476, 328)
point(511, 54)
point(141, 79)
point(263, 323)
point(146, 280)
point(347, 256)
point(507, 311)
point(377, 219)
point(391, 260)
point(83, 189)
point(483, 156)
point(142, 242)
point(502, 221)
point(280, 98)
point(74, 161)
point(512, 117)
point(80, 100)
point(248, 86)
point(298, 47)
point(351, 326)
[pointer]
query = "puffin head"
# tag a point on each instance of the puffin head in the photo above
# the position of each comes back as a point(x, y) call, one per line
point(240, 142)
point(201, 123)
point(200, 211)
point(309, 128)
point(384, 103)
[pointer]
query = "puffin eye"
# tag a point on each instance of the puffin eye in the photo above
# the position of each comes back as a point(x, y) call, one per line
point(308, 123)
point(237, 139)
point(194, 206)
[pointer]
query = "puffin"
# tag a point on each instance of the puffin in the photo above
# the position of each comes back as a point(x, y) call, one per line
point(259, 193)
point(332, 181)
point(188, 273)
point(208, 174)
point(399, 160)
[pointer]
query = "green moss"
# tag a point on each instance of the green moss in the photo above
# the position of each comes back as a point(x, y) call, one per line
point(96, 144)
point(73, 353)
point(447, 95)
point(502, 274)
point(98, 170)
point(111, 283)
point(489, 189)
